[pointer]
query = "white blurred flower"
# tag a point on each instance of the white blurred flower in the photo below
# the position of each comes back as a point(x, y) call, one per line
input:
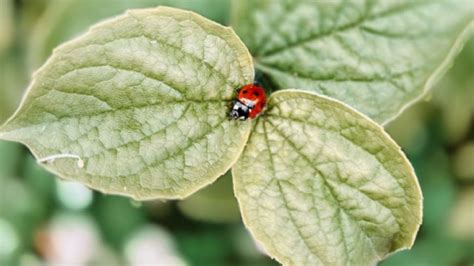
point(69, 240)
point(8, 239)
point(152, 245)
point(74, 195)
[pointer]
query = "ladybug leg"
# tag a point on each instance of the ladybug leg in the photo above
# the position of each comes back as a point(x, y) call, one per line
point(231, 107)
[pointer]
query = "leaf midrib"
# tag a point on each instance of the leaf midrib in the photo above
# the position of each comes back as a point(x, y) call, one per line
point(270, 154)
point(178, 102)
point(335, 198)
point(332, 192)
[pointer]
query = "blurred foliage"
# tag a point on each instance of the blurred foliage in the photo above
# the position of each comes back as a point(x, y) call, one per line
point(13, 81)
point(215, 203)
point(44, 221)
point(462, 215)
point(463, 166)
point(6, 24)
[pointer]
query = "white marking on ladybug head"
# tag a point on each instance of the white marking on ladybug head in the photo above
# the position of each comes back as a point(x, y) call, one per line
point(239, 111)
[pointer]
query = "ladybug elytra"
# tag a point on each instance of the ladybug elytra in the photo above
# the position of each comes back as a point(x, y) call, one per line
point(251, 100)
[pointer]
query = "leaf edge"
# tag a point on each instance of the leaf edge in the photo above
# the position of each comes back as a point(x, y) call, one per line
point(439, 72)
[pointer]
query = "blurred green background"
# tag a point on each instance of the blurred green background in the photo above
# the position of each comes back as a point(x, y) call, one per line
point(46, 221)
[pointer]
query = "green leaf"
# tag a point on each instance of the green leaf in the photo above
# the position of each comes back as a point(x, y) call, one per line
point(138, 105)
point(321, 184)
point(64, 19)
point(377, 56)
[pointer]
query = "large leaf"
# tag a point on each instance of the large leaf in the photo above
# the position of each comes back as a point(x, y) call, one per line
point(138, 105)
point(321, 184)
point(378, 56)
point(64, 19)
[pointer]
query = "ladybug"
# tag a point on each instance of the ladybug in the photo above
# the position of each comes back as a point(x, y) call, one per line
point(251, 100)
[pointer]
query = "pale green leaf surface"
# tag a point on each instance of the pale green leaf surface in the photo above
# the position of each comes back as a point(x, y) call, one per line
point(378, 56)
point(321, 184)
point(142, 100)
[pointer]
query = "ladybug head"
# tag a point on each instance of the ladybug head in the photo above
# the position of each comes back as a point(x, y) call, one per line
point(239, 111)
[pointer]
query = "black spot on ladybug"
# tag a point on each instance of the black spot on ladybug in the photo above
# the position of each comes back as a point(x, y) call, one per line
point(244, 91)
point(256, 94)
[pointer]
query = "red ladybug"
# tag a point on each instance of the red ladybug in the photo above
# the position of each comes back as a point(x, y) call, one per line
point(251, 100)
